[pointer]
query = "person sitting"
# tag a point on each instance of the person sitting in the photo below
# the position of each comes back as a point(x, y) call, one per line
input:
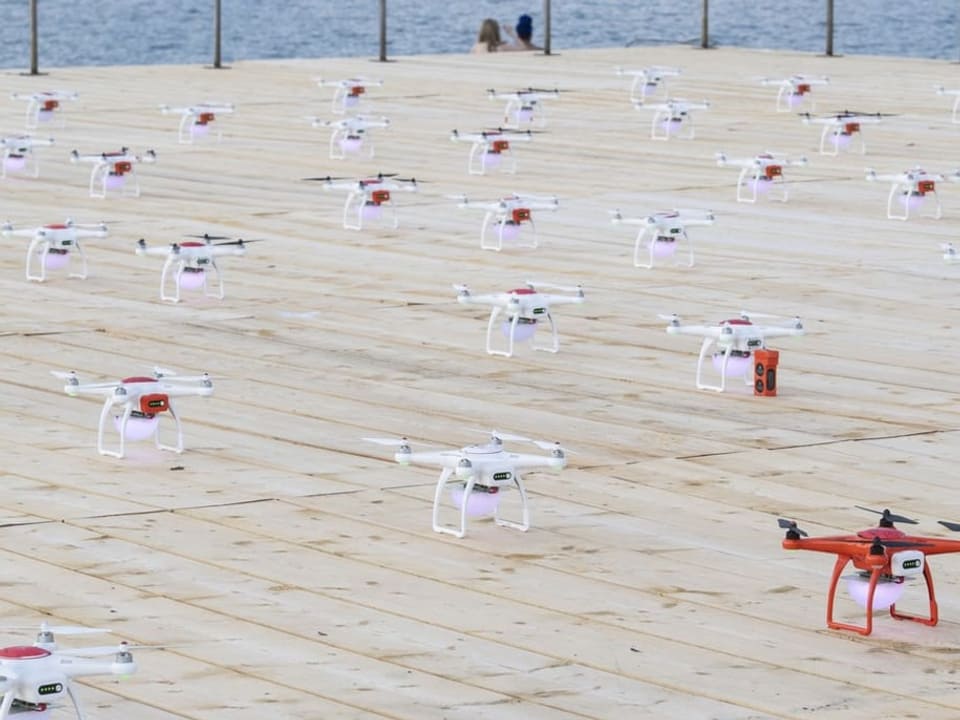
point(522, 38)
point(488, 39)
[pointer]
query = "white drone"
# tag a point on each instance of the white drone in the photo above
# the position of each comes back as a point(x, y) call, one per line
point(348, 92)
point(735, 340)
point(114, 171)
point(760, 174)
point(949, 253)
point(647, 81)
point(187, 264)
point(18, 154)
point(51, 246)
point(477, 474)
point(523, 308)
point(490, 147)
point(142, 400)
point(667, 228)
point(794, 89)
point(839, 129)
point(941, 90)
point(909, 190)
point(524, 108)
point(42, 106)
point(348, 134)
point(670, 116)
point(504, 218)
point(36, 678)
point(196, 120)
point(367, 197)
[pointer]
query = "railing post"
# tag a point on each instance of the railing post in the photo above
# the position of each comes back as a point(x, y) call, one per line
point(383, 30)
point(705, 25)
point(546, 27)
point(34, 54)
point(217, 60)
point(829, 27)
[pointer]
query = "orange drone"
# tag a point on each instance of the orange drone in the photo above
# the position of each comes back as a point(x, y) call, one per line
point(884, 557)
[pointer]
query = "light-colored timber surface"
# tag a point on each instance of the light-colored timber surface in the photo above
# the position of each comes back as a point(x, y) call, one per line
point(297, 563)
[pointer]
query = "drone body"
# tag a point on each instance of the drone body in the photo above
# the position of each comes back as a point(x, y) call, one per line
point(187, 265)
point(523, 309)
point(671, 117)
point(840, 128)
point(648, 81)
point(18, 155)
point(760, 174)
point(884, 558)
point(524, 108)
point(348, 135)
point(476, 475)
point(491, 149)
point(503, 219)
point(141, 400)
point(735, 341)
point(37, 678)
point(114, 172)
point(910, 190)
point(666, 229)
point(196, 121)
point(794, 90)
point(369, 199)
point(52, 246)
point(42, 107)
point(347, 93)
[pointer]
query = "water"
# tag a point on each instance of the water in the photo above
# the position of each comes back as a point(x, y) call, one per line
point(141, 32)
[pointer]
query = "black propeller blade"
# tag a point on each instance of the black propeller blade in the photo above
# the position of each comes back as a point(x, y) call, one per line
point(208, 237)
point(888, 518)
point(791, 527)
point(952, 526)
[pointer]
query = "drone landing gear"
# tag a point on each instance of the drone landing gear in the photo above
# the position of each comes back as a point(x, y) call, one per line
point(358, 208)
point(668, 123)
point(754, 182)
point(707, 343)
point(105, 416)
point(176, 280)
point(505, 230)
point(41, 254)
point(840, 138)
point(494, 156)
point(344, 142)
point(76, 704)
point(460, 530)
point(22, 162)
point(909, 198)
point(660, 246)
point(527, 332)
point(197, 125)
point(108, 178)
point(875, 576)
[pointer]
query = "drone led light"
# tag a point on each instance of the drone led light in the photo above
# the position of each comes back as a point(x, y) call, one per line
point(671, 126)
point(200, 129)
point(372, 211)
point(491, 159)
point(524, 115)
point(795, 99)
point(507, 230)
point(481, 502)
point(663, 247)
point(911, 200)
point(44, 116)
point(192, 278)
point(351, 144)
point(139, 427)
point(114, 181)
point(351, 99)
point(841, 139)
point(525, 329)
point(56, 259)
point(737, 365)
point(14, 163)
point(887, 592)
point(761, 185)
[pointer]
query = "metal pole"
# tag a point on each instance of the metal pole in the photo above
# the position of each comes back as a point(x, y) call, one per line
point(383, 30)
point(829, 27)
point(546, 27)
point(34, 55)
point(216, 34)
point(705, 25)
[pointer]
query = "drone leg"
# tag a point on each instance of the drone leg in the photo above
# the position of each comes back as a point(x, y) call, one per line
point(634, 98)
point(8, 698)
point(165, 274)
point(39, 254)
point(533, 231)
point(707, 342)
point(334, 146)
point(183, 132)
point(956, 107)
point(512, 169)
point(494, 313)
point(781, 106)
point(178, 448)
point(740, 184)
point(76, 703)
point(524, 523)
point(136, 183)
point(653, 127)
point(104, 414)
point(934, 611)
point(474, 167)
point(339, 104)
point(636, 250)
point(98, 179)
point(393, 211)
point(514, 120)
point(686, 238)
point(784, 193)
point(555, 345)
point(216, 269)
point(438, 498)
point(33, 114)
point(483, 232)
point(938, 213)
point(894, 193)
point(347, 212)
point(83, 261)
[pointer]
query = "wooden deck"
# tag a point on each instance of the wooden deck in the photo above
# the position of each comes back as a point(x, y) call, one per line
point(298, 561)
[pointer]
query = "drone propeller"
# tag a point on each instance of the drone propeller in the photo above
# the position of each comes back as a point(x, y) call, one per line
point(240, 242)
point(791, 527)
point(952, 526)
point(58, 629)
point(208, 238)
point(551, 286)
point(390, 442)
point(102, 650)
point(63, 375)
point(326, 178)
point(852, 113)
point(888, 518)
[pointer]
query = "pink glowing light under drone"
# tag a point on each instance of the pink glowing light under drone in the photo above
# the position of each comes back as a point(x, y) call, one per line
point(14, 163)
point(886, 594)
point(841, 139)
point(761, 185)
point(911, 200)
point(507, 230)
point(192, 278)
point(663, 248)
point(524, 115)
point(737, 365)
point(372, 211)
point(199, 129)
point(139, 427)
point(56, 259)
point(795, 99)
point(481, 502)
point(649, 88)
point(491, 159)
point(671, 126)
point(114, 181)
point(44, 115)
point(351, 144)
point(524, 330)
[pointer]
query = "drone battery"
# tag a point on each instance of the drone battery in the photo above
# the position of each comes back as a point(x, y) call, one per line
point(765, 371)
point(379, 196)
point(926, 186)
point(204, 118)
point(772, 171)
point(802, 89)
point(357, 90)
point(498, 146)
point(49, 105)
point(122, 167)
point(519, 215)
point(851, 128)
point(154, 403)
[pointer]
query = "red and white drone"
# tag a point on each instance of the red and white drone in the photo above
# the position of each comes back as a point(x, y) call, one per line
point(839, 129)
point(760, 174)
point(36, 678)
point(523, 309)
point(667, 228)
point(349, 134)
point(525, 107)
point(18, 157)
point(367, 197)
point(909, 191)
point(52, 246)
point(490, 147)
point(477, 474)
point(671, 116)
point(43, 106)
point(955, 115)
point(735, 341)
point(142, 400)
point(114, 172)
point(648, 81)
point(504, 218)
point(197, 120)
point(794, 90)
point(348, 92)
point(187, 265)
